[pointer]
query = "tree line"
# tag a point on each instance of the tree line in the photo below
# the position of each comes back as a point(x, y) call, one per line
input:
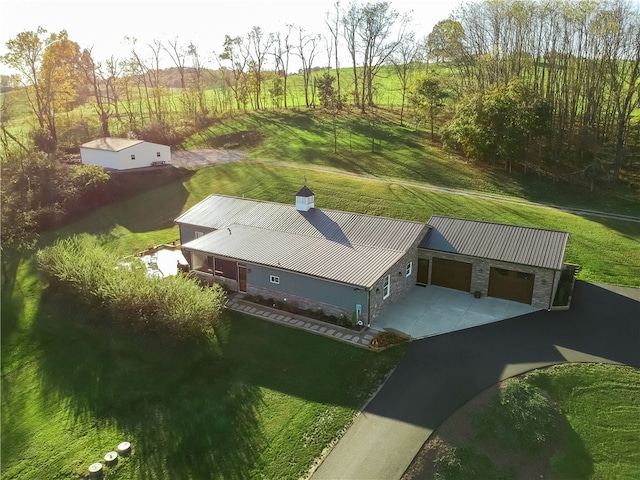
point(577, 68)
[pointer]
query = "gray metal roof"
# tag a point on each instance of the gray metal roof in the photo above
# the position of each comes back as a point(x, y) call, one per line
point(111, 144)
point(508, 243)
point(345, 247)
point(218, 211)
point(358, 265)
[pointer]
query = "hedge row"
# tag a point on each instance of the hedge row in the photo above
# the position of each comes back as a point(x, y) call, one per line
point(87, 272)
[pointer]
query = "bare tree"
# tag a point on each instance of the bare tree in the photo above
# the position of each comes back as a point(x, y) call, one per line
point(281, 53)
point(350, 21)
point(333, 23)
point(95, 79)
point(306, 50)
point(258, 45)
point(406, 60)
point(235, 53)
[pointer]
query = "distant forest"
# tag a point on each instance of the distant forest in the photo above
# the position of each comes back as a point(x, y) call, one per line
point(551, 85)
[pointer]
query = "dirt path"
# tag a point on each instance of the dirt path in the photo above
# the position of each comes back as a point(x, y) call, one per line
point(194, 159)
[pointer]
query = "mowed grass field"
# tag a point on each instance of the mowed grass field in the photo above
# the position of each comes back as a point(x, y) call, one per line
point(252, 401)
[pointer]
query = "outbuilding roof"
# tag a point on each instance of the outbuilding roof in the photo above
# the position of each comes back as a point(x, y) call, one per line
point(111, 144)
point(345, 247)
point(495, 241)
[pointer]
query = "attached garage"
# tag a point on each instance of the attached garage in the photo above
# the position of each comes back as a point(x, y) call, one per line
point(511, 262)
point(511, 285)
point(451, 274)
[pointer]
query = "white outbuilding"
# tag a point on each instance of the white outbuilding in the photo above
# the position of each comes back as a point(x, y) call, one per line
point(123, 153)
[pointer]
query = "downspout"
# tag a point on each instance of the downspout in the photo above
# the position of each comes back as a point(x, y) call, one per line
point(369, 308)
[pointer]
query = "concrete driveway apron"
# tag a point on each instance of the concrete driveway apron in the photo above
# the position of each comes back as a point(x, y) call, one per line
point(440, 374)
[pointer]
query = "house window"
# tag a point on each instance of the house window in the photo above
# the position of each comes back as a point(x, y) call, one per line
point(386, 287)
point(157, 154)
point(409, 269)
point(133, 157)
point(199, 234)
point(274, 279)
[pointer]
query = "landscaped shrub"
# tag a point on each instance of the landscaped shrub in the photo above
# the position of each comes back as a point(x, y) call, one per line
point(83, 270)
point(464, 463)
point(520, 418)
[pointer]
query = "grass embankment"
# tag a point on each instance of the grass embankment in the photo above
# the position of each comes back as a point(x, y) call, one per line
point(601, 405)
point(607, 249)
point(305, 139)
point(569, 422)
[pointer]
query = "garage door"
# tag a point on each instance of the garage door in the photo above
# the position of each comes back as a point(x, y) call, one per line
point(511, 285)
point(423, 271)
point(451, 274)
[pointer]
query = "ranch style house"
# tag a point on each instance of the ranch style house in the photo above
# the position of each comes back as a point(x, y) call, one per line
point(355, 265)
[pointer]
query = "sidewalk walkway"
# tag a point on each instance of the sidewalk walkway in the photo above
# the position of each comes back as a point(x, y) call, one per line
point(359, 339)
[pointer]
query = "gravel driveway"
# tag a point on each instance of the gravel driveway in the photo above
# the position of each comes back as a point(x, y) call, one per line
point(194, 159)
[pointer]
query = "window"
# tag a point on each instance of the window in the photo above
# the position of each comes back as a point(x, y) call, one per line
point(199, 234)
point(157, 154)
point(502, 271)
point(409, 269)
point(274, 279)
point(522, 275)
point(133, 157)
point(386, 287)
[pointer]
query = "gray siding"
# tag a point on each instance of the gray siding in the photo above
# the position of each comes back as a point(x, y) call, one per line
point(313, 289)
point(188, 232)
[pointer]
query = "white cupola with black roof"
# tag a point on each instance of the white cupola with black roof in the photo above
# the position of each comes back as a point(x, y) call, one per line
point(304, 199)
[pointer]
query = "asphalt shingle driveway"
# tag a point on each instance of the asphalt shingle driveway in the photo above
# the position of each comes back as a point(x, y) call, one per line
point(439, 374)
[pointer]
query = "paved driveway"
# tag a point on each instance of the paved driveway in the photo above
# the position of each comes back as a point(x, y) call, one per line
point(432, 310)
point(440, 374)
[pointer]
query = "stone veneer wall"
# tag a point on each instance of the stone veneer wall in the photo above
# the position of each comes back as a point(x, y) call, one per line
point(399, 281)
point(544, 284)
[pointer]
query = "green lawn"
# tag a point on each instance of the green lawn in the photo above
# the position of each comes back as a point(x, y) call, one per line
point(601, 404)
point(254, 401)
point(147, 219)
point(305, 139)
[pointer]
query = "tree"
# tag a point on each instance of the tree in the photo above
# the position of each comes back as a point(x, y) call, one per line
point(333, 23)
point(47, 67)
point(331, 102)
point(281, 53)
point(258, 46)
point(374, 30)
point(427, 97)
point(306, 51)
point(405, 61)
point(350, 21)
point(95, 78)
point(234, 52)
point(501, 125)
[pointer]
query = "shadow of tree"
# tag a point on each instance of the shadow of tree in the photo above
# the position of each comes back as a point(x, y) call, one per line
point(187, 416)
